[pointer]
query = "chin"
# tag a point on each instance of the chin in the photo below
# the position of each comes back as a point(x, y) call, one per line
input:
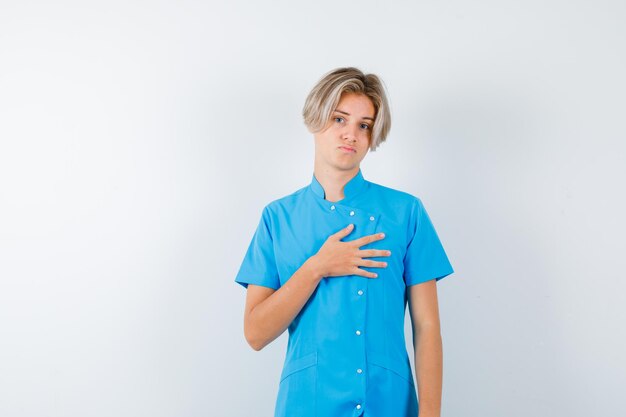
point(348, 167)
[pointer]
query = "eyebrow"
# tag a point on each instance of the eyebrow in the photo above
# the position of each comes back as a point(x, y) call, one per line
point(348, 114)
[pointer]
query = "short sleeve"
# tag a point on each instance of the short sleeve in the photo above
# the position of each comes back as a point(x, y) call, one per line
point(425, 257)
point(259, 263)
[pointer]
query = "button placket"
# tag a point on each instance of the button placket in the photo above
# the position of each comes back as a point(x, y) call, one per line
point(365, 224)
point(353, 212)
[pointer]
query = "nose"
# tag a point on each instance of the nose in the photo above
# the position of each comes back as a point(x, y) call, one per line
point(350, 133)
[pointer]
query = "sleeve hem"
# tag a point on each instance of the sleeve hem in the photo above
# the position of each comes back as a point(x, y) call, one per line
point(437, 277)
point(261, 284)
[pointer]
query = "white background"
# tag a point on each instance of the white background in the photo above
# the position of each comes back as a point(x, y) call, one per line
point(140, 141)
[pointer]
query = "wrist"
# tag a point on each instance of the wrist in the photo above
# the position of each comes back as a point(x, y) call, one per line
point(314, 268)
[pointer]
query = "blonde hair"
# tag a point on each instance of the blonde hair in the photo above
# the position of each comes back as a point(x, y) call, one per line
point(325, 96)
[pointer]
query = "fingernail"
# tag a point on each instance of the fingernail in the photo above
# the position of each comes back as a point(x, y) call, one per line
point(382, 235)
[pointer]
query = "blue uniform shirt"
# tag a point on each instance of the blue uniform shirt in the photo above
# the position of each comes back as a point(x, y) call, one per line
point(346, 354)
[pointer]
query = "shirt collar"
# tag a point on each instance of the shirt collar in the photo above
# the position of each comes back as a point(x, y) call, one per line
point(354, 186)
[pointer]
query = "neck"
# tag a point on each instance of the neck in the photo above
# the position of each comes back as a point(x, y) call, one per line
point(333, 180)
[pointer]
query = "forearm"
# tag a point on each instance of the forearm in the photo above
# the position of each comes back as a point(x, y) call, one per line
point(272, 316)
point(428, 370)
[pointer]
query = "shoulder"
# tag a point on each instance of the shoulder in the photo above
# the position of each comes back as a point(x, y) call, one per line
point(396, 196)
point(404, 207)
point(285, 203)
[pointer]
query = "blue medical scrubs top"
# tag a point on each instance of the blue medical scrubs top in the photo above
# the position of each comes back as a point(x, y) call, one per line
point(346, 354)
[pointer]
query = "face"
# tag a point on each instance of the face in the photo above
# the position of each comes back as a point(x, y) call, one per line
point(346, 139)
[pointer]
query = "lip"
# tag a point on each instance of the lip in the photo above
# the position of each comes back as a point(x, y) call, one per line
point(347, 149)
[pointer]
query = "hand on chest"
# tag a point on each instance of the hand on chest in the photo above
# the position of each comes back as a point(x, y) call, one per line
point(307, 228)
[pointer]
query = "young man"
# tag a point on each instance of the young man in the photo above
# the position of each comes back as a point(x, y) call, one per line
point(336, 263)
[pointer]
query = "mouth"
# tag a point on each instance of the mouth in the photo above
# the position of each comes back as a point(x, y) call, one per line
point(347, 149)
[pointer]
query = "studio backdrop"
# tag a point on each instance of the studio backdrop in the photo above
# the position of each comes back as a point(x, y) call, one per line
point(140, 141)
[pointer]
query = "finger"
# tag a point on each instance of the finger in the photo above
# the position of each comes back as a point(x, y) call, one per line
point(368, 253)
point(362, 241)
point(344, 232)
point(364, 273)
point(372, 264)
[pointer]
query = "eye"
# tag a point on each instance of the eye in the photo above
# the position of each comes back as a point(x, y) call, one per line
point(365, 126)
point(338, 117)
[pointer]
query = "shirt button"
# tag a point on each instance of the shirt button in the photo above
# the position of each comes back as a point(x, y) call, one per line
point(332, 207)
point(358, 406)
point(359, 370)
point(352, 213)
point(371, 217)
point(358, 332)
point(360, 292)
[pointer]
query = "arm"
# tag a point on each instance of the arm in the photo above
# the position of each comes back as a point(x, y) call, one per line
point(269, 312)
point(427, 344)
